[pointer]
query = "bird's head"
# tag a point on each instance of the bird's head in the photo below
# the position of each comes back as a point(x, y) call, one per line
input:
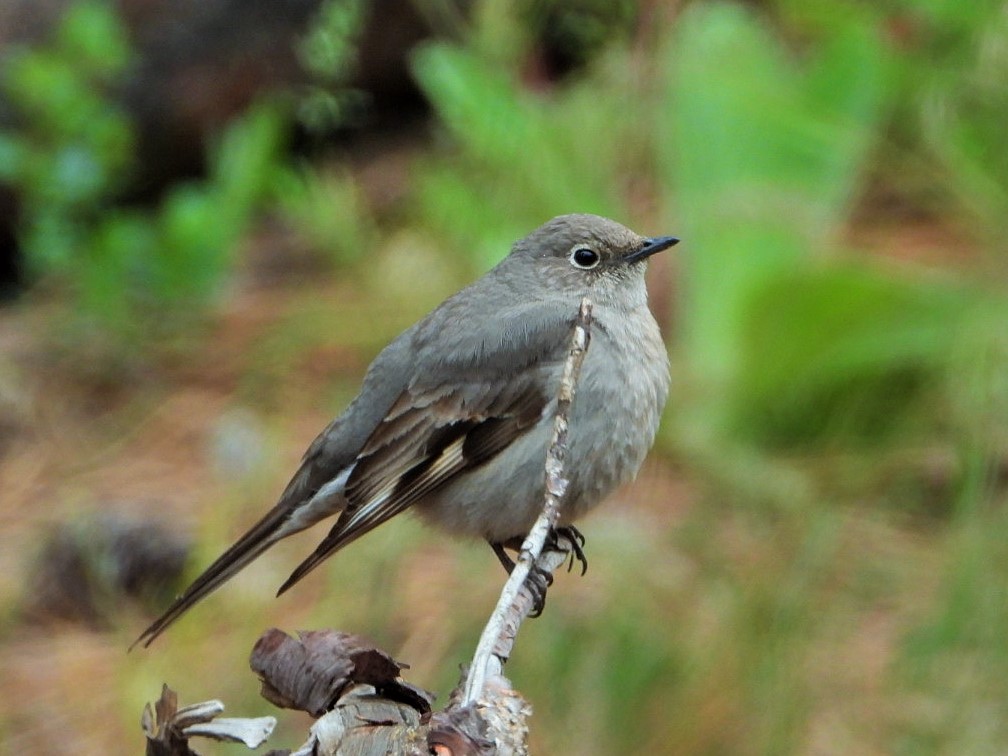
point(587, 253)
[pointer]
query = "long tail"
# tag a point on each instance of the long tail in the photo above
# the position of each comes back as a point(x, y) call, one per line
point(295, 512)
point(260, 537)
point(332, 543)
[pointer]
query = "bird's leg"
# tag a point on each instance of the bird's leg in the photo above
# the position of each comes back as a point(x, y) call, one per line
point(538, 579)
point(498, 549)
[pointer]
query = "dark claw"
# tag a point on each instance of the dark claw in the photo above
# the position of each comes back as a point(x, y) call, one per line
point(577, 542)
point(537, 582)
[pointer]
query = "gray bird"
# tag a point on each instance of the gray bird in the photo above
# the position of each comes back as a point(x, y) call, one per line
point(455, 415)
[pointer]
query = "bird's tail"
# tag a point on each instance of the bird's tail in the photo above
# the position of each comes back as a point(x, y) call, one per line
point(352, 524)
point(336, 540)
point(260, 537)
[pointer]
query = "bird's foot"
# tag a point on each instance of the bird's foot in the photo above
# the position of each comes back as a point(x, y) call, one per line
point(539, 580)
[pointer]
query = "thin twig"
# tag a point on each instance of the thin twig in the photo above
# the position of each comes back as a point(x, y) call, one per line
point(498, 636)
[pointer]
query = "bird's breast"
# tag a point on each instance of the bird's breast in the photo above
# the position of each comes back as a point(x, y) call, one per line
point(619, 401)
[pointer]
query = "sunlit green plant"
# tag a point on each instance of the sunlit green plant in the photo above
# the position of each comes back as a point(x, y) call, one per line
point(942, 150)
point(519, 158)
point(70, 147)
point(328, 53)
point(130, 272)
point(327, 210)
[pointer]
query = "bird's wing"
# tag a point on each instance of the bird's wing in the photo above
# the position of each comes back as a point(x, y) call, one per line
point(428, 437)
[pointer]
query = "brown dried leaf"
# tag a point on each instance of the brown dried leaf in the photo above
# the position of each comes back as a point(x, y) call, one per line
point(310, 673)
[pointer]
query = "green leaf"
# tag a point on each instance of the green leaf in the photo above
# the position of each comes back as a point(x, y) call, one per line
point(534, 157)
point(46, 89)
point(245, 157)
point(12, 156)
point(114, 274)
point(841, 349)
point(761, 159)
point(51, 241)
point(92, 36)
point(196, 244)
point(328, 211)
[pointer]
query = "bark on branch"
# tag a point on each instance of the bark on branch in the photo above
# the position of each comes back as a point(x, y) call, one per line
point(516, 600)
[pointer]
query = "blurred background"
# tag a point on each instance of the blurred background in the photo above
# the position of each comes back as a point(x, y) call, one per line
point(213, 214)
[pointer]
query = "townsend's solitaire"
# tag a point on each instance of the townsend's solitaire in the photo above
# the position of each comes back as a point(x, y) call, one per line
point(455, 415)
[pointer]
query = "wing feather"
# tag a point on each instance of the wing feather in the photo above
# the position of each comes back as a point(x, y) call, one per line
point(426, 440)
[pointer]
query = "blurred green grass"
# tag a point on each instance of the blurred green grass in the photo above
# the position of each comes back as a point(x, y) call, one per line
point(814, 562)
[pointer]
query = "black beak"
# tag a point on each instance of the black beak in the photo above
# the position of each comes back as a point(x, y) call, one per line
point(651, 246)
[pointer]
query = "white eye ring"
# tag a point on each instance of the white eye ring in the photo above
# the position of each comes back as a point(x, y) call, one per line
point(584, 257)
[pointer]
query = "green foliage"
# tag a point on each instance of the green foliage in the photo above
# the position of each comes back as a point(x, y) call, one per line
point(95, 38)
point(762, 160)
point(842, 352)
point(956, 660)
point(943, 150)
point(200, 224)
point(578, 29)
point(132, 272)
point(328, 53)
point(73, 148)
point(536, 157)
point(963, 125)
point(327, 210)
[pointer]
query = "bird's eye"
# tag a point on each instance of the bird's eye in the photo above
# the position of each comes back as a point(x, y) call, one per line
point(584, 257)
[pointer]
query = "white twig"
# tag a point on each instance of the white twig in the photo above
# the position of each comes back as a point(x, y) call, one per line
point(498, 636)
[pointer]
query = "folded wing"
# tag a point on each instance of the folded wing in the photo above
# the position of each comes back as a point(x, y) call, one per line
point(427, 439)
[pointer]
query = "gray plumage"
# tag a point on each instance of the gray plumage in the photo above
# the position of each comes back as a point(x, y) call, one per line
point(454, 416)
